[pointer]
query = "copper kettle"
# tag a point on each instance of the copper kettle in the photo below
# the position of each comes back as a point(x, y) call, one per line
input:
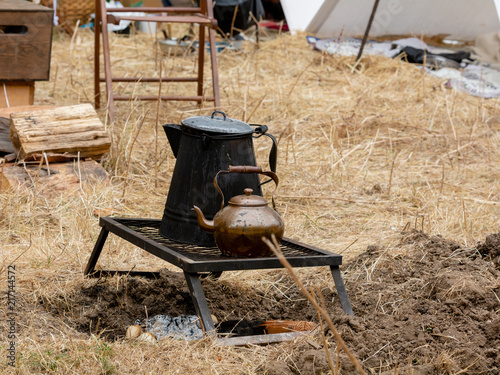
point(239, 227)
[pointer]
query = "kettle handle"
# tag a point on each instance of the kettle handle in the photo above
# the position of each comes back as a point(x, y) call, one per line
point(246, 169)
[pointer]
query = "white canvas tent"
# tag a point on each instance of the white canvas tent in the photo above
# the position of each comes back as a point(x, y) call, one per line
point(463, 19)
point(299, 13)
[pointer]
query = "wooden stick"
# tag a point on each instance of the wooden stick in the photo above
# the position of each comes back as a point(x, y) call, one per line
point(325, 344)
point(352, 243)
point(79, 171)
point(2, 163)
point(337, 365)
point(276, 250)
point(300, 75)
point(465, 219)
point(39, 170)
point(329, 197)
point(130, 153)
point(367, 31)
point(55, 80)
point(233, 21)
point(156, 126)
point(257, 28)
point(256, 107)
point(390, 176)
point(442, 183)
point(47, 162)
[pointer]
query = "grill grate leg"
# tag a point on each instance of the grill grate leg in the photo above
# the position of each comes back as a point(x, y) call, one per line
point(200, 302)
point(103, 235)
point(341, 290)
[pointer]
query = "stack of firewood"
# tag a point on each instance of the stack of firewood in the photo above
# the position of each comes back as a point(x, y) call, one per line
point(55, 148)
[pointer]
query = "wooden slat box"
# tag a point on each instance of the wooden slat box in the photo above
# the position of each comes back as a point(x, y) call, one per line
point(19, 93)
point(25, 40)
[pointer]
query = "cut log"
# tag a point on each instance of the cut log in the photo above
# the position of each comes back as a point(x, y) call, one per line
point(5, 143)
point(64, 130)
point(6, 112)
point(57, 178)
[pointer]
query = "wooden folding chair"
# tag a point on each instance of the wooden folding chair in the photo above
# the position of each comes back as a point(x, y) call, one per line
point(202, 15)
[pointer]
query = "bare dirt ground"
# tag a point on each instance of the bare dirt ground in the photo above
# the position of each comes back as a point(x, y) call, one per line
point(383, 165)
point(433, 307)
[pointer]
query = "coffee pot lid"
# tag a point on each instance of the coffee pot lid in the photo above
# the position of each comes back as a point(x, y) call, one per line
point(217, 124)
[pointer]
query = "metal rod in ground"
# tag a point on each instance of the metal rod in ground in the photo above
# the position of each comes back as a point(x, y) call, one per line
point(367, 31)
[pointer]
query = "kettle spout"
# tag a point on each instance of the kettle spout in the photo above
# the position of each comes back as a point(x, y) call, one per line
point(174, 134)
point(203, 223)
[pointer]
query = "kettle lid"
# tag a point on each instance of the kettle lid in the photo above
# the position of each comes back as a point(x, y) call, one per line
point(248, 200)
point(217, 124)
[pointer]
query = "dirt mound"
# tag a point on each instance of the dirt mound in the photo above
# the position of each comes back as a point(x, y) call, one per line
point(433, 306)
point(491, 248)
point(435, 310)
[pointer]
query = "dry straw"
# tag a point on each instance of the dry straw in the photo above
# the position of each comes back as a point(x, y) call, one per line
point(361, 157)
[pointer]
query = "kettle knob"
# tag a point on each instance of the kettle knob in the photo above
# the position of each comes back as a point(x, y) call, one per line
point(248, 191)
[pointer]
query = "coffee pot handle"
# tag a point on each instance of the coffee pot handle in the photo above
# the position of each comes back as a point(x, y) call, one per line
point(220, 113)
point(246, 169)
point(273, 154)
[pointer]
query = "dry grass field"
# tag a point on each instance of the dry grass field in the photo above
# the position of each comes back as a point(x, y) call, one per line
point(383, 165)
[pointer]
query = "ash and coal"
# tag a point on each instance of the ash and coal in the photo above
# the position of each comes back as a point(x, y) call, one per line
point(185, 327)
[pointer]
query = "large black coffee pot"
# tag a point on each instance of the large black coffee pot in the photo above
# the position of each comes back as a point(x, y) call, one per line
point(204, 145)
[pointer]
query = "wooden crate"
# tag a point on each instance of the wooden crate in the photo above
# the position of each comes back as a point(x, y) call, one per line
point(25, 40)
point(19, 93)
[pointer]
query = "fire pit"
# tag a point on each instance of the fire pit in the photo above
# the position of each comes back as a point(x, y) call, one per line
point(196, 261)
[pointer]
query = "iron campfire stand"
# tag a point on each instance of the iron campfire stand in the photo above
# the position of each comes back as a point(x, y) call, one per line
point(196, 261)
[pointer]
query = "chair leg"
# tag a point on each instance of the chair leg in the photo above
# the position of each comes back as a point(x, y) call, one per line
point(107, 62)
point(213, 58)
point(97, 36)
point(201, 61)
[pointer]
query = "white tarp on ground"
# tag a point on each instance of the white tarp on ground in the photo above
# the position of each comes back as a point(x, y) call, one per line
point(472, 78)
point(464, 19)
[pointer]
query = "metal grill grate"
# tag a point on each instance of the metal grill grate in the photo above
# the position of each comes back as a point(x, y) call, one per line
point(150, 230)
point(196, 260)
